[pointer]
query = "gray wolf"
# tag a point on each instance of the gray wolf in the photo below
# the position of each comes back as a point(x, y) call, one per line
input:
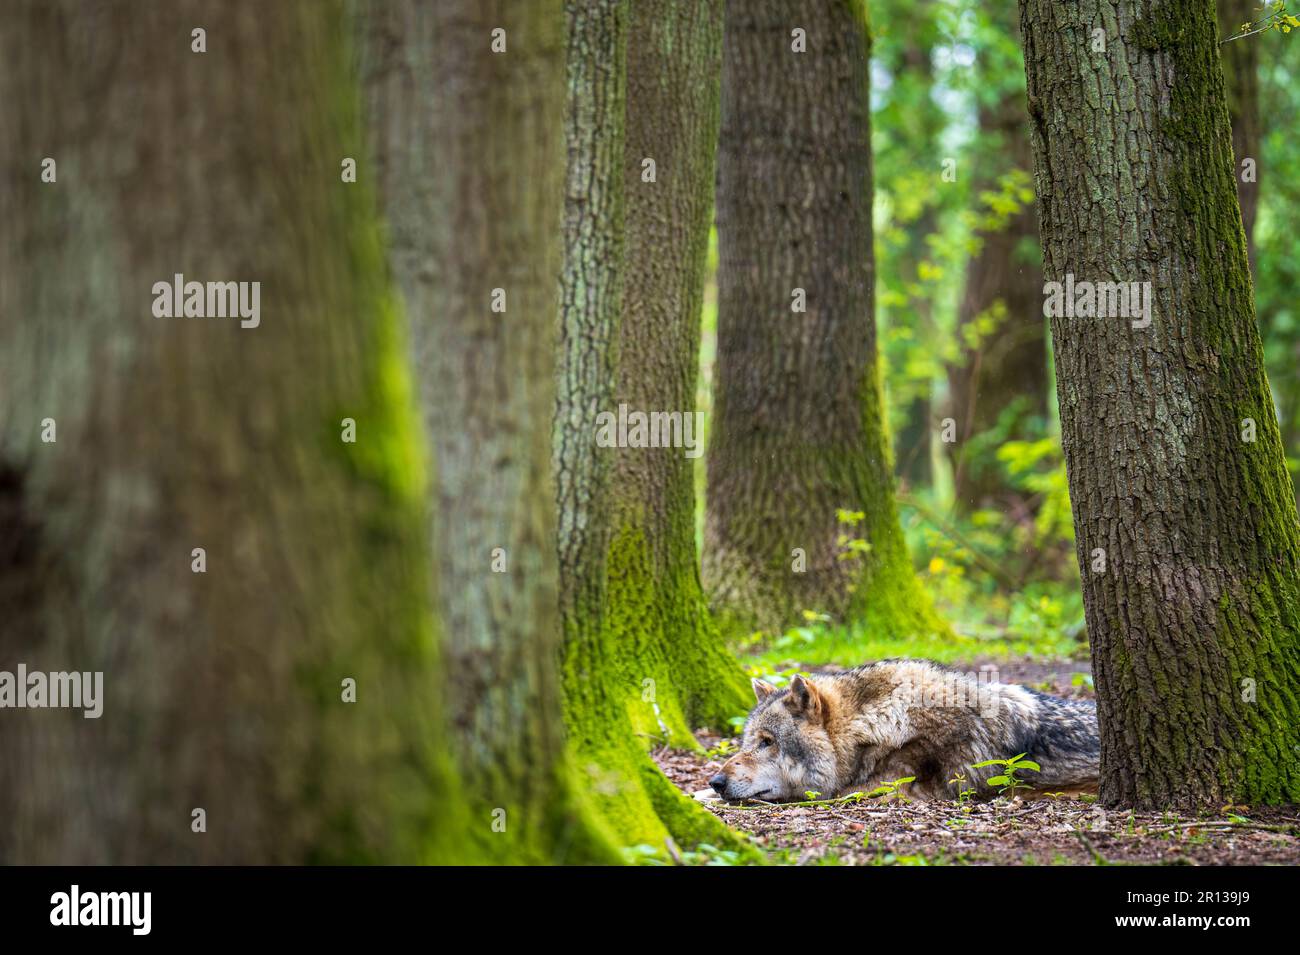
point(853, 730)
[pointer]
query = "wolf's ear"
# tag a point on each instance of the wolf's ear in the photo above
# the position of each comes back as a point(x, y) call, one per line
point(805, 698)
point(762, 690)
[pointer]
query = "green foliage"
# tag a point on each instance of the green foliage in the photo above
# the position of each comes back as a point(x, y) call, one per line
point(1001, 583)
point(704, 854)
point(851, 547)
point(964, 790)
point(1038, 469)
point(1009, 779)
point(927, 227)
point(1275, 17)
point(892, 790)
point(850, 645)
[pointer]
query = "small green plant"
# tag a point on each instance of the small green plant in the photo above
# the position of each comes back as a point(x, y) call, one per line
point(892, 790)
point(702, 855)
point(964, 792)
point(643, 854)
point(884, 791)
point(709, 855)
point(1008, 780)
point(889, 858)
point(851, 547)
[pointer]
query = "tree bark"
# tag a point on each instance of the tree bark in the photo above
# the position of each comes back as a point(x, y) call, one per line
point(656, 603)
point(471, 148)
point(1006, 374)
point(591, 305)
point(613, 642)
point(1195, 619)
point(222, 689)
point(799, 430)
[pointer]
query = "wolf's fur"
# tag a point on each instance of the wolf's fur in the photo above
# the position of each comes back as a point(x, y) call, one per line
point(838, 733)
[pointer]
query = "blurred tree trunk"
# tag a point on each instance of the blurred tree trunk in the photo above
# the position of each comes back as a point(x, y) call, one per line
point(641, 656)
point(1241, 75)
point(1006, 372)
point(471, 147)
point(223, 690)
point(799, 426)
point(1194, 617)
point(915, 68)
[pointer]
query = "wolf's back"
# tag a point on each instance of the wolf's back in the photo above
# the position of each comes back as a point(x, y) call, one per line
point(1064, 742)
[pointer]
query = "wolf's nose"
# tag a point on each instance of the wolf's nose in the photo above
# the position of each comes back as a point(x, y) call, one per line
point(719, 783)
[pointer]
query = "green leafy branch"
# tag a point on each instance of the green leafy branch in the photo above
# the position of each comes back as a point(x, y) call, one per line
point(1278, 19)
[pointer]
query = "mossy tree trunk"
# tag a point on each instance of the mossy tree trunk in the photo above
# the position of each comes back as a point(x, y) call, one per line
point(682, 674)
point(223, 690)
point(799, 428)
point(641, 657)
point(470, 143)
point(590, 314)
point(1000, 385)
point(1194, 617)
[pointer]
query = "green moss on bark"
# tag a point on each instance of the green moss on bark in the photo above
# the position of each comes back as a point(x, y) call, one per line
point(1194, 625)
point(642, 663)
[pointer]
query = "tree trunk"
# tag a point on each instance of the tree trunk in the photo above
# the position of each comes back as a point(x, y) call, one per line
point(472, 153)
point(1241, 76)
point(613, 648)
point(799, 428)
point(1194, 617)
point(1006, 373)
point(222, 690)
point(682, 674)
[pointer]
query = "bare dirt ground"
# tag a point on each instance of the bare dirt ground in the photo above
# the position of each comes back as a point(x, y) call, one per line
point(1042, 831)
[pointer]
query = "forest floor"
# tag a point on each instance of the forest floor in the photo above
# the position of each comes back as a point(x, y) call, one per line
point(1038, 831)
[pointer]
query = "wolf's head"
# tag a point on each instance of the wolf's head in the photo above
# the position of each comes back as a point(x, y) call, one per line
point(786, 750)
